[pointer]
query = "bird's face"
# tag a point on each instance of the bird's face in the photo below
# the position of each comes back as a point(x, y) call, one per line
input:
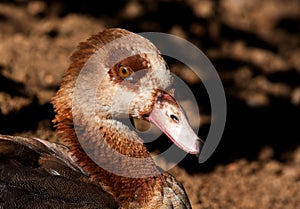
point(134, 83)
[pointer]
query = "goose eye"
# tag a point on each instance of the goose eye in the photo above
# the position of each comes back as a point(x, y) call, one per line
point(124, 71)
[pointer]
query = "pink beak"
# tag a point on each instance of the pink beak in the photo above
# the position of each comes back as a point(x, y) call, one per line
point(169, 117)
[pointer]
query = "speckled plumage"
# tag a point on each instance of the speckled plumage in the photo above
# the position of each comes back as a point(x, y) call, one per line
point(101, 54)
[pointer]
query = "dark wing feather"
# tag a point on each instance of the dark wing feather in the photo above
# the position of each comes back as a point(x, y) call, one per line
point(39, 174)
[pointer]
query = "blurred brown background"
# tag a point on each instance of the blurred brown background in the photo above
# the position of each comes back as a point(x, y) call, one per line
point(254, 45)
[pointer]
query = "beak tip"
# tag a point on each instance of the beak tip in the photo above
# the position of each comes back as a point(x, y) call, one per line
point(198, 147)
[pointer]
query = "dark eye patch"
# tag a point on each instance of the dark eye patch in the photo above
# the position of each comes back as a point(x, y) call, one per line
point(137, 63)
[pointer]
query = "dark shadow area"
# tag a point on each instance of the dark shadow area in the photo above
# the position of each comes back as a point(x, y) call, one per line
point(10, 86)
point(25, 119)
point(248, 130)
point(93, 8)
point(291, 25)
point(153, 19)
point(291, 77)
point(251, 39)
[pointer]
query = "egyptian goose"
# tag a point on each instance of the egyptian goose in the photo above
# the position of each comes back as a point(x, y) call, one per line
point(99, 162)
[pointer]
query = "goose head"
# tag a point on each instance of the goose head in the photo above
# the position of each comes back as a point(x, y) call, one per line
point(132, 78)
point(114, 74)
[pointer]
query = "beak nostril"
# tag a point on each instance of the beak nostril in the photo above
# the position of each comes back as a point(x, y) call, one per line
point(174, 118)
